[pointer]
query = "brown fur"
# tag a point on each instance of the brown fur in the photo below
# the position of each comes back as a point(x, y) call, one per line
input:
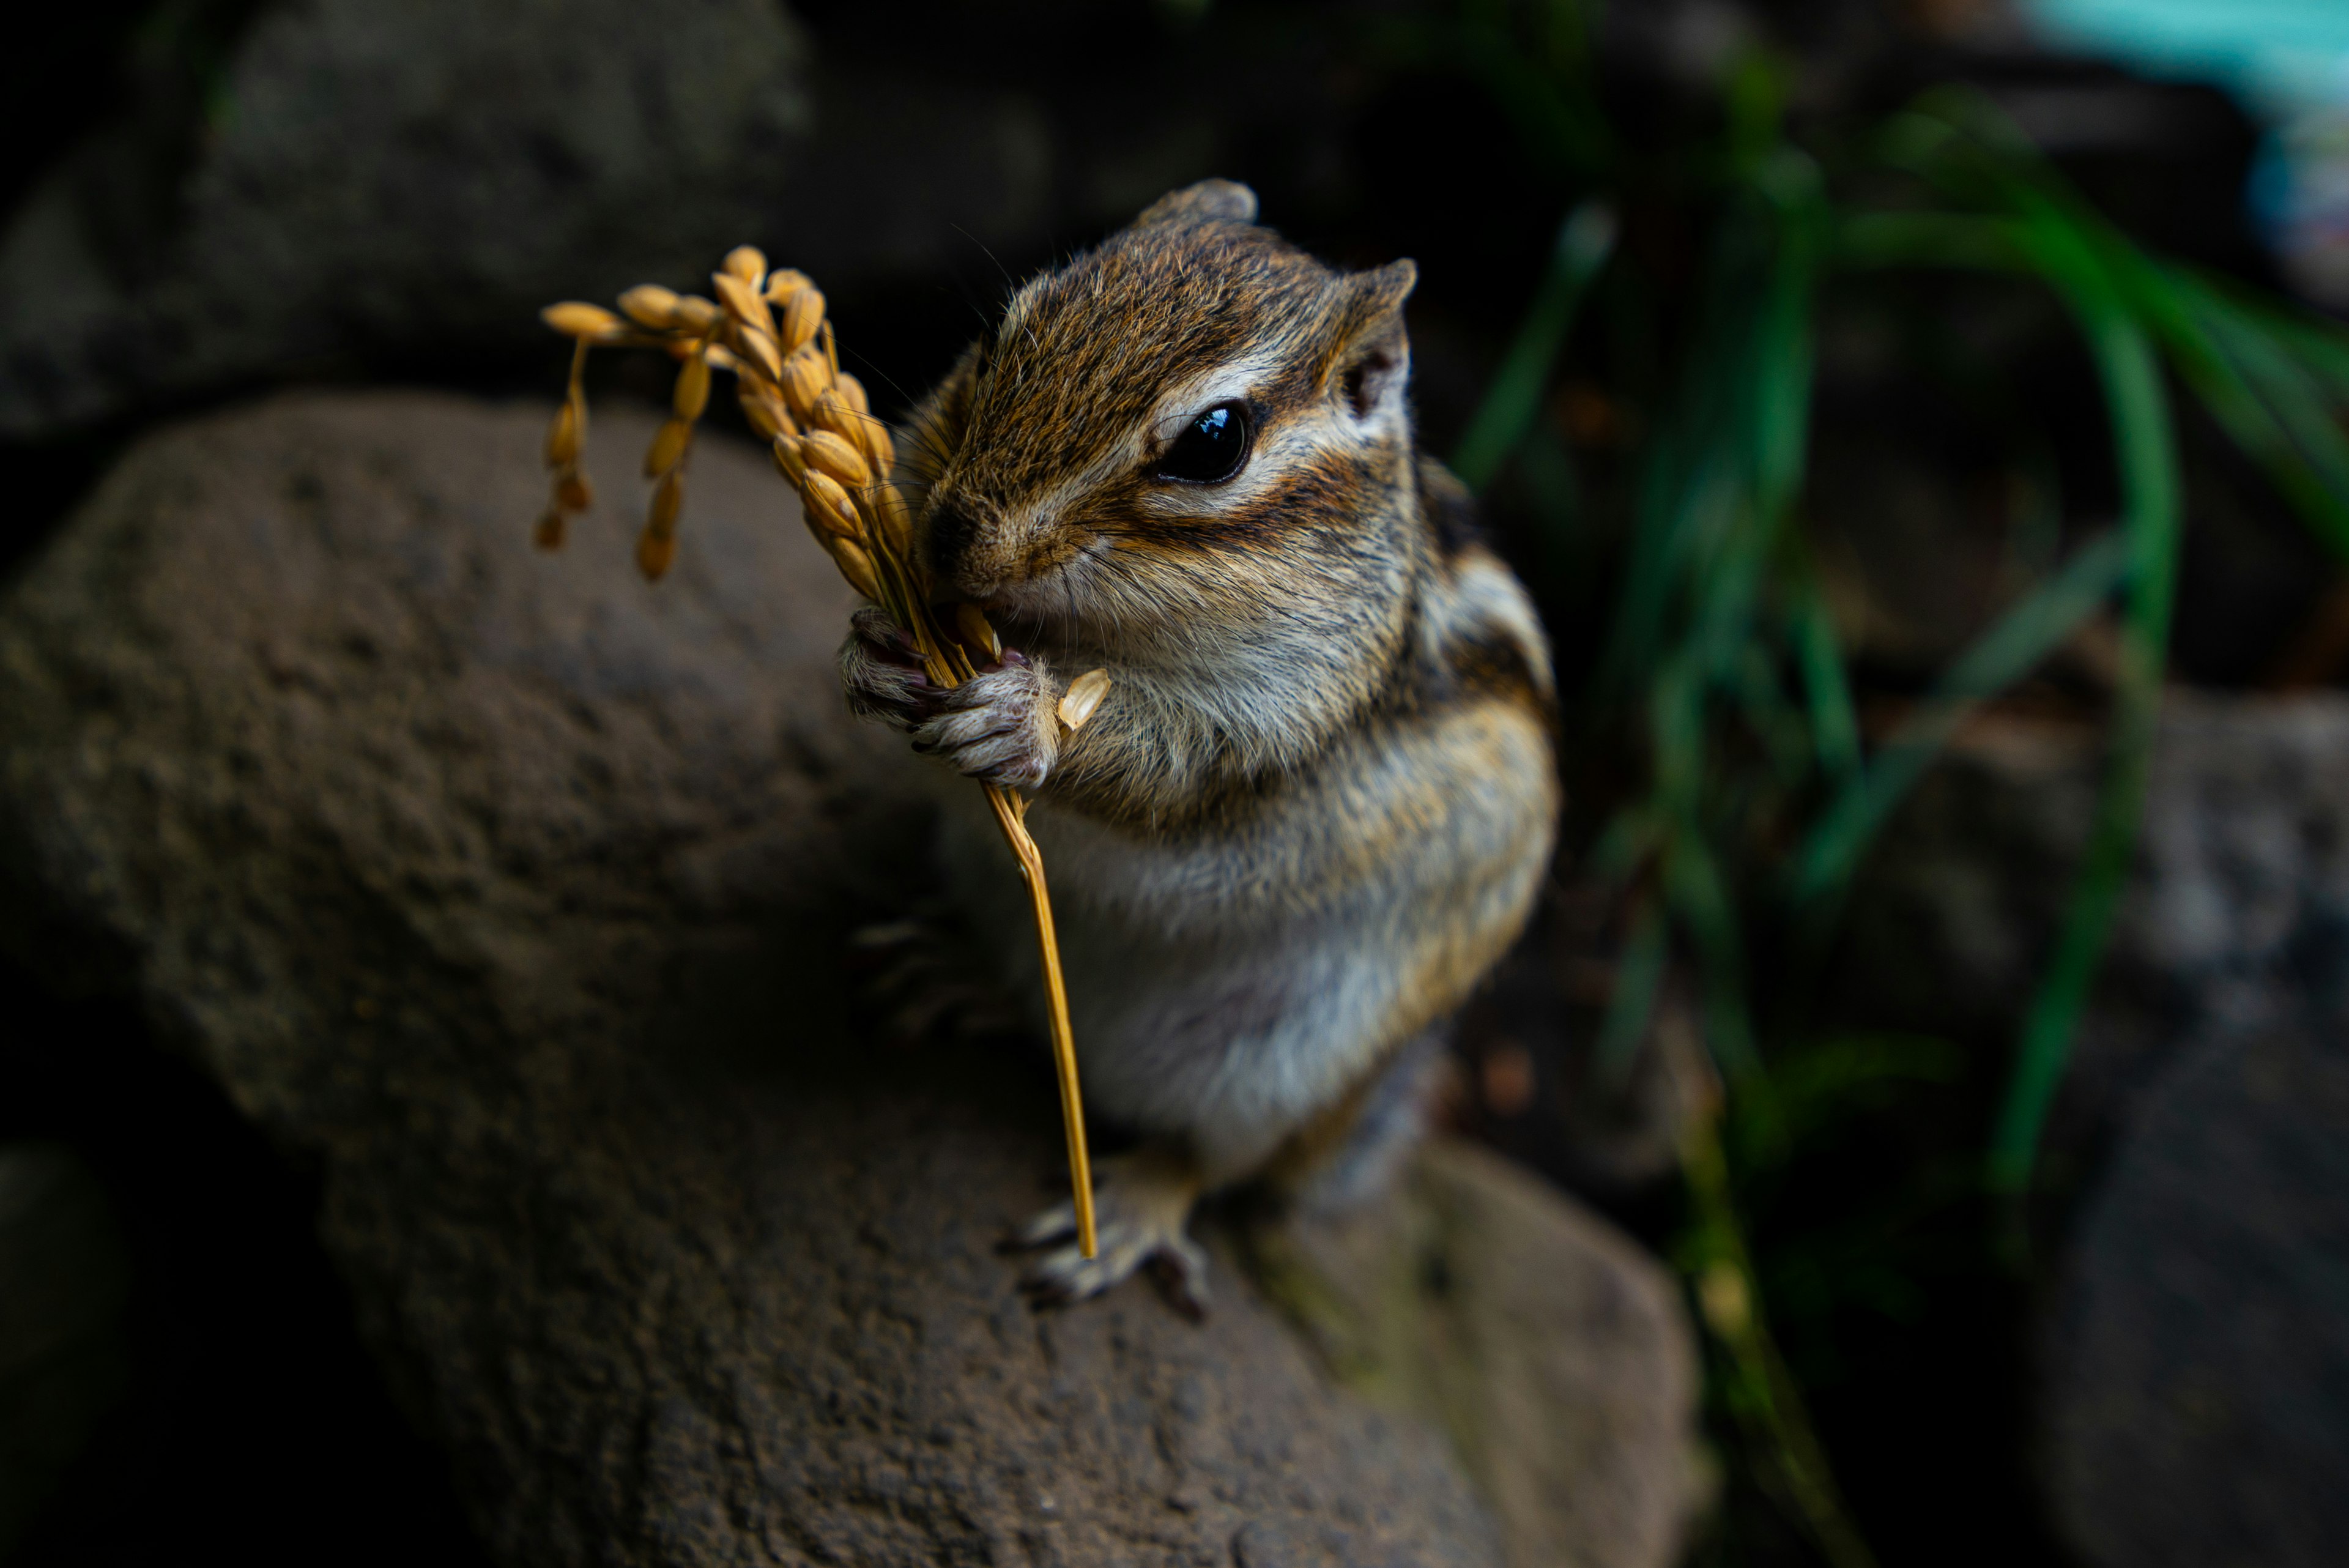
point(1325, 752)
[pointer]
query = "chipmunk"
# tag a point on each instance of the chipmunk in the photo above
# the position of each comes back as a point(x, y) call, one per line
point(1318, 800)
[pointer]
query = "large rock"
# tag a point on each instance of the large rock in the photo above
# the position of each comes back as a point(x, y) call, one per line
point(411, 181)
point(2199, 1366)
point(2195, 1400)
point(2236, 905)
point(513, 892)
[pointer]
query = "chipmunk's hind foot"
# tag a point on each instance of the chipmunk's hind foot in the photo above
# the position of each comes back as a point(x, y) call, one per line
point(1142, 1209)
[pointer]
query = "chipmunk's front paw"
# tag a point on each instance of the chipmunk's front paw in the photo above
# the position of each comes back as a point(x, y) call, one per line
point(999, 727)
point(881, 672)
point(1142, 1207)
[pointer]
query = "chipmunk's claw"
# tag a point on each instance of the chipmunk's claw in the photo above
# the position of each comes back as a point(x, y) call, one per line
point(999, 728)
point(881, 672)
point(1140, 1219)
point(1065, 1274)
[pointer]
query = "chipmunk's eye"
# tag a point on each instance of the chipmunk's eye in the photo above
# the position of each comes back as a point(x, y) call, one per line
point(1211, 449)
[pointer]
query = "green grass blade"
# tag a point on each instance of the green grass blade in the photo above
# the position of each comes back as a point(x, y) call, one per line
point(1558, 118)
point(2313, 470)
point(2317, 342)
point(1826, 688)
point(1632, 1002)
point(1585, 241)
point(2271, 406)
point(1869, 240)
point(1784, 349)
point(2144, 448)
point(2001, 656)
point(1700, 896)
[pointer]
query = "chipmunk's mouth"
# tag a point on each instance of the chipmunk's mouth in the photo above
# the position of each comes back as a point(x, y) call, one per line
point(1047, 591)
point(1057, 608)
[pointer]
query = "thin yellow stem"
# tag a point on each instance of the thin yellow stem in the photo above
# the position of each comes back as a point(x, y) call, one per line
point(898, 585)
point(1010, 815)
point(946, 662)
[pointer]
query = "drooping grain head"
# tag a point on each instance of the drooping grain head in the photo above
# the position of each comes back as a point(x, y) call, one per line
point(1193, 440)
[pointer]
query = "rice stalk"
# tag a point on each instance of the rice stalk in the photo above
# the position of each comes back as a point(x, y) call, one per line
point(767, 329)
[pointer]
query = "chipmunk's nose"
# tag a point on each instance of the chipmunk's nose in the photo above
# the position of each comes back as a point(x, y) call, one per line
point(974, 546)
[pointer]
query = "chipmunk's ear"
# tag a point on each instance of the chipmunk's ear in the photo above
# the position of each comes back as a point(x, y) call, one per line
point(1208, 201)
point(1372, 354)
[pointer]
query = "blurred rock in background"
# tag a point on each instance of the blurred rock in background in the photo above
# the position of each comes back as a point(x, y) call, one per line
point(337, 184)
point(2239, 910)
point(2197, 1360)
point(2196, 1363)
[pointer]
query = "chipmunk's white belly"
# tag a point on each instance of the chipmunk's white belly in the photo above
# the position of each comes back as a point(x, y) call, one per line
point(1229, 1023)
point(1229, 987)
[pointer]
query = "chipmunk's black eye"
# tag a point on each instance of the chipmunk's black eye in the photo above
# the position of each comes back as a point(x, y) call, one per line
point(1211, 449)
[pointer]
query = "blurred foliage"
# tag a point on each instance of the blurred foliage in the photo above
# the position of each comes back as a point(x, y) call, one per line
point(1751, 801)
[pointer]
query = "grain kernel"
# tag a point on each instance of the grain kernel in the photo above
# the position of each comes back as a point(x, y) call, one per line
point(694, 313)
point(667, 449)
point(1084, 694)
point(856, 566)
point(759, 347)
point(650, 305)
point(742, 303)
point(972, 626)
point(896, 519)
point(853, 391)
point(692, 394)
point(787, 460)
point(563, 435)
point(832, 412)
point(829, 509)
point(802, 314)
point(748, 262)
point(827, 453)
point(552, 524)
point(784, 282)
point(669, 500)
point(655, 553)
point(802, 382)
point(880, 447)
point(763, 410)
point(576, 318)
point(574, 493)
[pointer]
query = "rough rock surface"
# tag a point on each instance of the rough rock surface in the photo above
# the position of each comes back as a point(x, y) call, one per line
point(513, 892)
point(416, 180)
point(1474, 1299)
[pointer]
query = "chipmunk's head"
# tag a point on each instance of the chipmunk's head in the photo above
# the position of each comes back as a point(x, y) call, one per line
point(1194, 431)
